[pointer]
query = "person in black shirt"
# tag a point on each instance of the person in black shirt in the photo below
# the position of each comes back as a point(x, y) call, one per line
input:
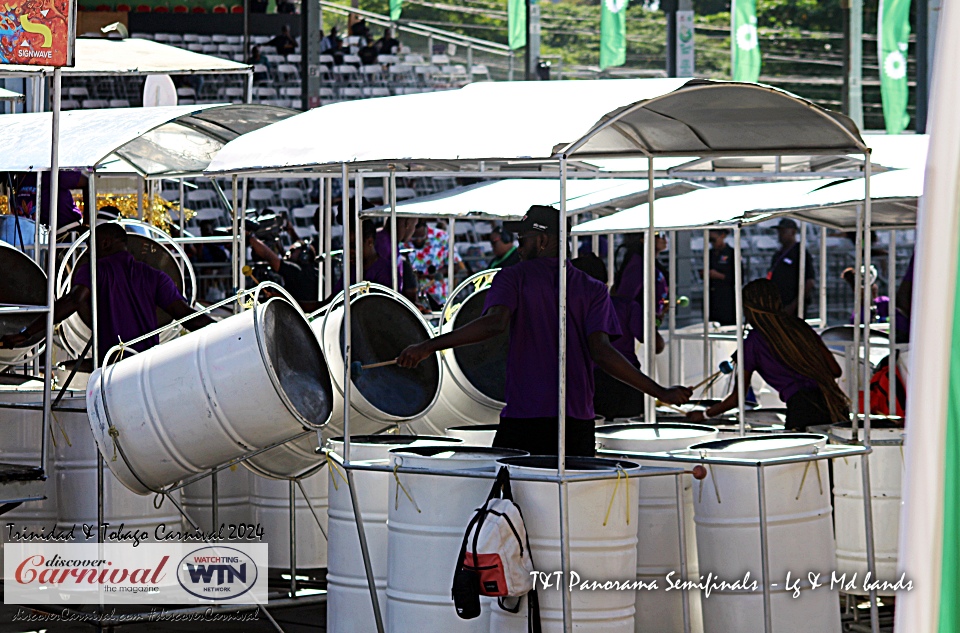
point(386, 44)
point(504, 249)
point(785, 267)
point(297, 267)
point(722, 288)
point(283, 42)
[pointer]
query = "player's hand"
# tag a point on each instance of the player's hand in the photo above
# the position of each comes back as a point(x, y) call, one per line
point(696, 416)
point(677, 395)
point(413, 355)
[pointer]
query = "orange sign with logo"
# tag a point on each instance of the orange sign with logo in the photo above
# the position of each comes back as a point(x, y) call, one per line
point(37, 32)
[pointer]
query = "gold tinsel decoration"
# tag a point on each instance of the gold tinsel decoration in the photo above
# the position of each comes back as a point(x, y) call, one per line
point(156, 212)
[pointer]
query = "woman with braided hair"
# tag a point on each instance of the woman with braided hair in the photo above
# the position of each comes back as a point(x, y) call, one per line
point(790, 356)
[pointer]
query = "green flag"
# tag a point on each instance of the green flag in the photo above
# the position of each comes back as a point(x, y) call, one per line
point(893, 31)
point(744, 45)
point(395, 7)
point(517, 23)
point(613, 33)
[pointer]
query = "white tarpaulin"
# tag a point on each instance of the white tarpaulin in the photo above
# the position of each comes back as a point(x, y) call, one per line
point(101, 56)
point(536, 121)
point(501, 199)
point(169, 140)
point(10, 95)
point(702, 208)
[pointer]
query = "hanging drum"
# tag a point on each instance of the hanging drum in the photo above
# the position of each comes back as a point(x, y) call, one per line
point(250, 381)
point(383, 324)
point(23, 282)
point(474, 376)
point(162, 254)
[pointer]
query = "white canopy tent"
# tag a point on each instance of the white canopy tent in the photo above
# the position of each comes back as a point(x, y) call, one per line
point(162, 141)
point(132, 56)
point(10, 95)
point(506, 199)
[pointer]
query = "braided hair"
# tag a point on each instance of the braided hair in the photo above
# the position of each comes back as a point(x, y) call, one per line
point(793, 341)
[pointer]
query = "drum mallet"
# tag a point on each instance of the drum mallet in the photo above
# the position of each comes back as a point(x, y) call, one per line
point(356, 369)
point(248, 272)
point(726, 367)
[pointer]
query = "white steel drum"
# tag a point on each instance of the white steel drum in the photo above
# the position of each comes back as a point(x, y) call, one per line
point(22, 282)
point(233, 499)
point(658, 547)
point(162, 254)
point(271, 510)
point(76, 477)
point(799, 536)
point(425, 534)
point(886, 471)
point(598, 552)
point(383, 324)
point(474, 377)
point(222, 392)
point(349, 609)
point(20, 444)
point(478, 435)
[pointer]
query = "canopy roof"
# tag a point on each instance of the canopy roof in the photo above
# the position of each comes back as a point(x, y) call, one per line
point(702, 208)
point(505, 199)
point(163, 141)
point(498, 124)
point(132, 56)
point(10, 95)
point(831, 203)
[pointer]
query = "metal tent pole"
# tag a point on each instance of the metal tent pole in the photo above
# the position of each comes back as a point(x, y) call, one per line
point(672, 269)
point(764, 548)
point(321, 239)
point(681, 527)
point(649, 290)
point(293, 537)
point(393, 231)
point(235, 247)
point(706, 307)
point(242, 233)
point(738, 306)
point(328, 236)
point(183, 219)
point(823, 277)
point(358, 238)
point(567, 598)
point(611, 256)
point(892, 320)
point(451, 245)
point(802, 282)
point(857, 321)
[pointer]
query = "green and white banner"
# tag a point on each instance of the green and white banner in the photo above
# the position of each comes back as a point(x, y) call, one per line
point(517, 23)
point(893, 32)
point(396, 6)
point(929, 541)
point(744, 45)
point(613, 33)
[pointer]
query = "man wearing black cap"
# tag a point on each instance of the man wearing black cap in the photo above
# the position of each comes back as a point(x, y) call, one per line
point(524, 298)
point(785, 268)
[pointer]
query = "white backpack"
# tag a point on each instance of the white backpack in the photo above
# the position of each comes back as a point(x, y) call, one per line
point(495, 557)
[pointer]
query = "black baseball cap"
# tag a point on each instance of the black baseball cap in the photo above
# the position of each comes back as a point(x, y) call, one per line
point(786, 223)
point(538, 218)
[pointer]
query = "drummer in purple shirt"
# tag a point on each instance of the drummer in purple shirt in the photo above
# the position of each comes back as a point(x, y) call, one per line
point(790, 356)
point(128, 295)
point(376, 268)
point(524, 298)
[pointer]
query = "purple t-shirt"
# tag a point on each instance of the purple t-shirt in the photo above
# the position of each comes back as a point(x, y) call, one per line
point(631, 285)
point(882, 304)
point(378, 273)
point(128, 295)
point(758, 357)
point(530, 291)
point(67, 211)
point(630, 315)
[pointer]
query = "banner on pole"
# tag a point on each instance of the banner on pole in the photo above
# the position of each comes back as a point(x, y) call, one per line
point(396, 6)
point(685, 50)
point(517, 23)
point(37, 32)
point(744, 45)
point(613, 33)
point(893, 33)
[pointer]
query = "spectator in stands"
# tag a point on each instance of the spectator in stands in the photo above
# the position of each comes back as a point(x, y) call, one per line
point(407, 281)
point(387, 45)
point(504, 249)
point(283, 42)
point(331, 43)
point(430, 261)
point(286, 6)
point(258, 6)
point(368, 55)
point(361, 30)
point(256, 59)
point(68, 213)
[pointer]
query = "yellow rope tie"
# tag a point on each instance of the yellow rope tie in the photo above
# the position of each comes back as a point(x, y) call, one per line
point(804, 478)
point(819, 480)
point(396, 496)
point(161, 496)
point(336, 469)
point(114, 433)
point(616, 486)
point(700, 489)
point(716, 489)
point(626, 491)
